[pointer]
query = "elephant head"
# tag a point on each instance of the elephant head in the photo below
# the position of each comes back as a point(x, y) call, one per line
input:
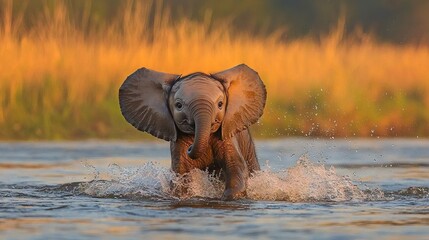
point(199, 104)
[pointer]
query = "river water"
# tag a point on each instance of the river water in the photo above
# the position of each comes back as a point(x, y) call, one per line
point(308, 188)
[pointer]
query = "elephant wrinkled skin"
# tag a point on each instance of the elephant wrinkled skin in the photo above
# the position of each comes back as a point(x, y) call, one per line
point(205, 118)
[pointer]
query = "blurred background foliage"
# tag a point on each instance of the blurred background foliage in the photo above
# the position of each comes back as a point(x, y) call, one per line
point(395, 21)
point(332, 68)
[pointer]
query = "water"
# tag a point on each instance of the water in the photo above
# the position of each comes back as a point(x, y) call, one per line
point(322, 189)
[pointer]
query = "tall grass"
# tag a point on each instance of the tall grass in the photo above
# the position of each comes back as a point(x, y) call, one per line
point(59, 79)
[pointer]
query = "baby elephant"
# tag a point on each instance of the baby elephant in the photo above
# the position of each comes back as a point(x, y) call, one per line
point(205, 118)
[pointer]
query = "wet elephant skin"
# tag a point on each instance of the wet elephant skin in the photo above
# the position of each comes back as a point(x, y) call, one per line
point(204, 116)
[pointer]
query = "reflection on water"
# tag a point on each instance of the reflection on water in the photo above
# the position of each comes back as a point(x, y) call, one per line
point(336, 189)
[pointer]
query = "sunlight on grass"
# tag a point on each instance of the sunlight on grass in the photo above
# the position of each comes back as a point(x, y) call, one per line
point(59, 81)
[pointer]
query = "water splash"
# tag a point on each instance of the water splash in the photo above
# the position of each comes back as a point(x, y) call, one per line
point(147, 181)
point(304, 182)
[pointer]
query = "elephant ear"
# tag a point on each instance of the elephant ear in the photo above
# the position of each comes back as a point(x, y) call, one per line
point(143, 102)
point(246, 98)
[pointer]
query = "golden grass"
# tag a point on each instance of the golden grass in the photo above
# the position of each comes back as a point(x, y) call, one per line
point(59, 81)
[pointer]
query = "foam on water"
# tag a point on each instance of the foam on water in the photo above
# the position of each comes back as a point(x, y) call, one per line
point(149, 180)
point(304, 182)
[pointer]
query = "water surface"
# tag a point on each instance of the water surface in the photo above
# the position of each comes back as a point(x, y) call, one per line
point(323, 189)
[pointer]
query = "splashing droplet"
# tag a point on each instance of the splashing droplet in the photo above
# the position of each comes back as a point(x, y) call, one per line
point(304, 182)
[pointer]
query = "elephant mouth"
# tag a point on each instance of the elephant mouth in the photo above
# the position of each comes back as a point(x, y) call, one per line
point(185, 127)
point(215, 127)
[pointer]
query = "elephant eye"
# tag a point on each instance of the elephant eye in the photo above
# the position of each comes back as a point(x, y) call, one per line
point(179, 105)
point(220, 104)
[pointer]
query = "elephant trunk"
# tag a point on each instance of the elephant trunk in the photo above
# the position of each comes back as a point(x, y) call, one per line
point(202, 112)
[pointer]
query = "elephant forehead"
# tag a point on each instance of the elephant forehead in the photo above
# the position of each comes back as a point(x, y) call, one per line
point(199, 86)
